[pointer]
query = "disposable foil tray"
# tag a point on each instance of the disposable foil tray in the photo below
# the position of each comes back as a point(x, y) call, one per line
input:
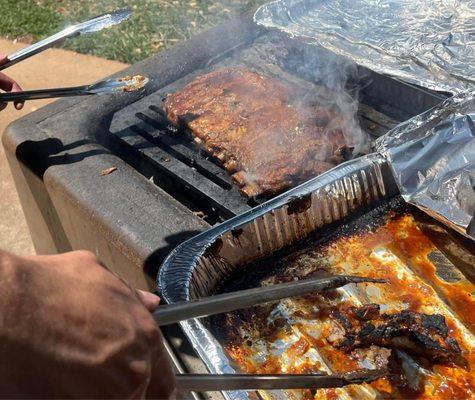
point(196, 267)
point(324, 209)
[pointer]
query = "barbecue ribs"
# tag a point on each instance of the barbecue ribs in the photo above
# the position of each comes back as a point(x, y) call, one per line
point(261, 128)
point(416, 333)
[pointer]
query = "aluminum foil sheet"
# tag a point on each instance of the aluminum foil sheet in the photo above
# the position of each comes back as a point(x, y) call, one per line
point(433, 160)
point(196, 267)
point(430, 43)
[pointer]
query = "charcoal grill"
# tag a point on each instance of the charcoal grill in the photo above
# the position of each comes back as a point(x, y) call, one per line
point(164, 190)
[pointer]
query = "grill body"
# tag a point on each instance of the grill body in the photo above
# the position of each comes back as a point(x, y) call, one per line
point(164, 191)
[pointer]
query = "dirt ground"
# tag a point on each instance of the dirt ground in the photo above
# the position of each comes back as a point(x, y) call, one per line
point(53, 68)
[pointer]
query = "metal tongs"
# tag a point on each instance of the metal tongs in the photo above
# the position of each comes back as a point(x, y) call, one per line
point(126, 84)
point(215, 382)
point(93, 25)
point(169, 314)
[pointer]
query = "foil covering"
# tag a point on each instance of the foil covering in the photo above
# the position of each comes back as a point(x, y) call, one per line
point(433, 160)
point(197, 266)
point(430, 43)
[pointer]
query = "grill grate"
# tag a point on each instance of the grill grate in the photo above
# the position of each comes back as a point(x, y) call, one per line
point(145, 128)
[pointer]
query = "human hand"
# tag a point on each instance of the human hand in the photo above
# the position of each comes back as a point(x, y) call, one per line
point(71, 328)
point(7, 84)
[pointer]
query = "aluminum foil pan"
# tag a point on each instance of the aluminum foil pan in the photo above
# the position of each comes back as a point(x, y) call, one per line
point(433, 160)
point(197, 266)
point(430, 43)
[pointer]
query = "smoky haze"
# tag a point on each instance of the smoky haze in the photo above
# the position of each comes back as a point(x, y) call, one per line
point(338, 82)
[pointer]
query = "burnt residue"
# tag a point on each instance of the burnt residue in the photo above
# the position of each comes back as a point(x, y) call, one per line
point(299, 205)
point(351, 334)
point(214, 249)
point(277, 265)
point(419, 334)
point(236, 233)
point(435, 323)
point(293, 263)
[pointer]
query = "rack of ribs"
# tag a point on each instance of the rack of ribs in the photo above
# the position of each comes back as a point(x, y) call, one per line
point(416, 333)
point(268, 133)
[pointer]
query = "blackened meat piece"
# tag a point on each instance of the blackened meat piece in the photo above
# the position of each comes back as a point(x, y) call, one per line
point(418, 334)
point(260, 128)
point(436, 323)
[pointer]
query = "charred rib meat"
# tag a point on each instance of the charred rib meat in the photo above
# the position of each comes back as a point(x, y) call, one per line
point(263, 130)
point(420, 334)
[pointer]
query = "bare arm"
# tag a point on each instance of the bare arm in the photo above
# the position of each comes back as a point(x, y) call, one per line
point(70, 327)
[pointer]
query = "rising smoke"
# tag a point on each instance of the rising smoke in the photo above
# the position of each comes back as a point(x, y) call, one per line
point(338, 82)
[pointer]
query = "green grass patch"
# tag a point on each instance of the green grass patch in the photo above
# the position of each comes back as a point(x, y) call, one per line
point(28, 19)
point(154, 26)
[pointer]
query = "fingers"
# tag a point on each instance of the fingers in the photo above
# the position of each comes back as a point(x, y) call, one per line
point(149, 300)
point(9, 85)
point(3, 58)
point(16, 88)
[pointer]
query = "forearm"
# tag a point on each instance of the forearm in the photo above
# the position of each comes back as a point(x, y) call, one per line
point(68, 326)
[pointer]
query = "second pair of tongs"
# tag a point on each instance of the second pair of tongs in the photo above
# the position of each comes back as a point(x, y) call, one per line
point(126, 84)
point(168, 314)
point(214, 382)
point(171, 313)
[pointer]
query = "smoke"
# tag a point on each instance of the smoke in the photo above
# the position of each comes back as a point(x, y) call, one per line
point(338, 82)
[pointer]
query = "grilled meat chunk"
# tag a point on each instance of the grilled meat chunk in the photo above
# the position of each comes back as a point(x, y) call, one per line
point(263, 130)
point(418, 334)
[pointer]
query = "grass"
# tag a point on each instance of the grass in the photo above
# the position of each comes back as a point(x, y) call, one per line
point(154, 26)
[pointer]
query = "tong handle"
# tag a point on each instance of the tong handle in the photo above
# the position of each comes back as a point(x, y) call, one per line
point(40, 46)
point(217, 304)
point(44, 94)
